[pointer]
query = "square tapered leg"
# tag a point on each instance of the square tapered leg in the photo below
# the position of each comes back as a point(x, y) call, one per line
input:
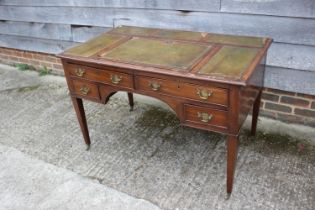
point(232, 149)
point(130, 99)
point(79, 109)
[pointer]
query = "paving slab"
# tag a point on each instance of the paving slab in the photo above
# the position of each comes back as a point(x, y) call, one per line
point(11, 78)
point(147, 154)
point(29, 183)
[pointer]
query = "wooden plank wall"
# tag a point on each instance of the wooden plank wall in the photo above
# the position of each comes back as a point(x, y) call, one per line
point(54, 25)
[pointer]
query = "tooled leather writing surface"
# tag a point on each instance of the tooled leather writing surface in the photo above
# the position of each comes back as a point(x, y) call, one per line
point(173, 50)
point(165, 54)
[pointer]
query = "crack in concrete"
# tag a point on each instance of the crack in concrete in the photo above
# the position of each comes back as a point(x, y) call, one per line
point(21, 89)
point(95, 178)
point(143, 163)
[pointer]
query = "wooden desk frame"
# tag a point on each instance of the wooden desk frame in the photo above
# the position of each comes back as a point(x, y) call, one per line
point(98, 81)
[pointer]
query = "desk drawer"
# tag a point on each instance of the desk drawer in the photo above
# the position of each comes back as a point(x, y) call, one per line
point(157, 85)
point(205, 116)
point(207, 94)
point(102, 75)
point(200, 93)
point(85, 89)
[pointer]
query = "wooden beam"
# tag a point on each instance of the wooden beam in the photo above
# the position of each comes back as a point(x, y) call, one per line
point(189, 5)
point(38, 30)
point(292, 56)
point(34, 44)
point(83, 33)
point(290, 8)
point(282, 29)
point(290, 80)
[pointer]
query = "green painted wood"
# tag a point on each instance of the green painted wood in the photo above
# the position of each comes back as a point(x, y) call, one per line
point(229, 62)
point(166, 54)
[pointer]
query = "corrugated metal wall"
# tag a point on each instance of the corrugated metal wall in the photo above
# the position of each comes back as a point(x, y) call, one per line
point(53, 25)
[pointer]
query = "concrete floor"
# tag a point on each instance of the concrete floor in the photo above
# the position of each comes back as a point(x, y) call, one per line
point(29, 183)
point(143, 156)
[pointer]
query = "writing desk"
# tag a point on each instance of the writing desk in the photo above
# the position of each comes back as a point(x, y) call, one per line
point(211, 81)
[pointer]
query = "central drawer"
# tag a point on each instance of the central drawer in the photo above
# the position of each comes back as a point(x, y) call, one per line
point(101, 75)
point(202, 93)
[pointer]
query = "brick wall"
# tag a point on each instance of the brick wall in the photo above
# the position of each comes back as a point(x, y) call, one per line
point(33, 59)
point(280, 105)
point(288, 106)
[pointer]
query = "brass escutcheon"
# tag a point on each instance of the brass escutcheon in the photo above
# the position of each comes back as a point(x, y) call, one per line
point(155, 86)
point(204, 117)
point(204, 94)
point(84, 90)
point(115, 78)
point(79, 72)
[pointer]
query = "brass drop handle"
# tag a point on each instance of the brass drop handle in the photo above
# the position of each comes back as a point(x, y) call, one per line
point(204, 94)
point(115, 78)
point(204, 117)
point(155, 86)
point(84, 90)
point(79, 72)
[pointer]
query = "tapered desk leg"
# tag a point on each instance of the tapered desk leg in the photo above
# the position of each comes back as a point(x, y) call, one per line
point(232, 148)
point(79, 109)
point(130, 98)
point(255, 113)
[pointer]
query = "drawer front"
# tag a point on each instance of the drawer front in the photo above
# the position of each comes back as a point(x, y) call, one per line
point(205, 115)
point(85, 89)
point(157, 85)
point(102, 75)
point(205, 94)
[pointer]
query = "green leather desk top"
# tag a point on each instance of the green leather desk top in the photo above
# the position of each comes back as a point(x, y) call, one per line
point(195, 53)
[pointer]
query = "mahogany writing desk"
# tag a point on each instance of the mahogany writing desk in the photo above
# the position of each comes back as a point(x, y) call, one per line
point(211, 81)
